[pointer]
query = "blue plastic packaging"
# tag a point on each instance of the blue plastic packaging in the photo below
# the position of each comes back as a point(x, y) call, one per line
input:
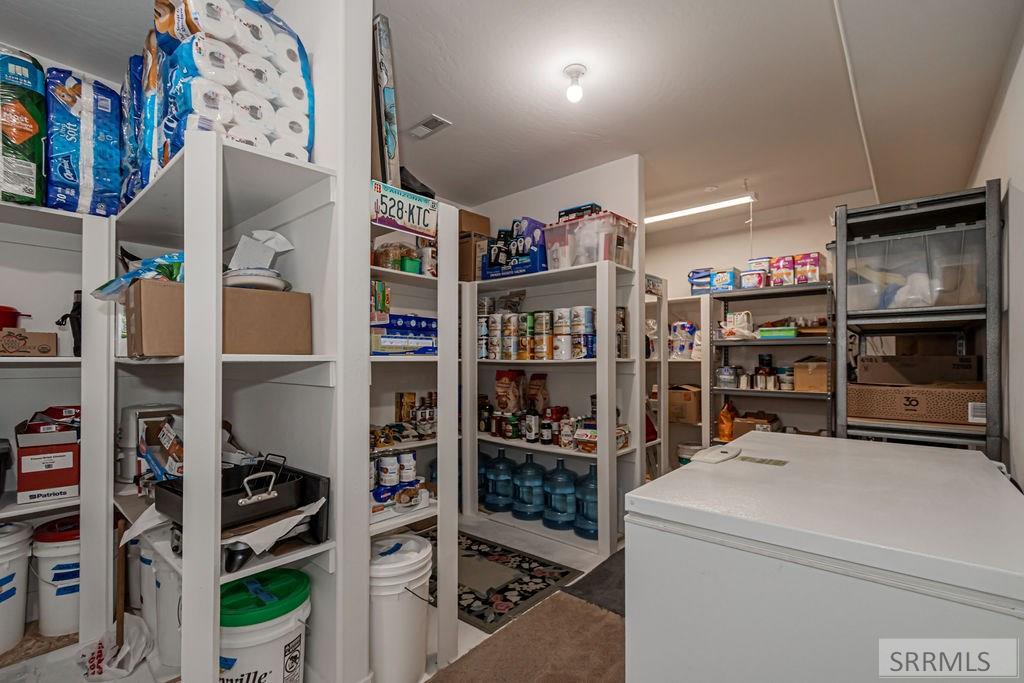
point(585, 524)
point(131, 129)
point(559, 497)
point(83, 157)
point(528, 486)
point(499, 483)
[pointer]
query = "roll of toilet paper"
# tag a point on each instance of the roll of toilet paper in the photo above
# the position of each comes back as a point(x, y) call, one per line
point(199, 122)
point(253, 33)
point(205, 57)
point(292, 124)
point(286, 147)
point(215, 18)
point(254, 111)
point(292, 92)
point(258, 76)
point(285, 54)
point(206, 98)
point(247, 135)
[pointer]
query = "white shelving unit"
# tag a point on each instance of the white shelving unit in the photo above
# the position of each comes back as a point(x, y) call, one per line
point(656, 371)
point(697, 309)
point(434, 296)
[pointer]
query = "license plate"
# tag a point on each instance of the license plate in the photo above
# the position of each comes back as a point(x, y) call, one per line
point(397, 209)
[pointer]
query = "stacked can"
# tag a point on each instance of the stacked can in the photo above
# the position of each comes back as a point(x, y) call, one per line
point(561, 327)
point(581, 326)
point(543, 337)
point(509, 336)
point(525, 330)
point(621, 332)
point(493, 336)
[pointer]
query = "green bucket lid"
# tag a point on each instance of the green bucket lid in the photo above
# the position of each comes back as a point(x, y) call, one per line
point(263, 597)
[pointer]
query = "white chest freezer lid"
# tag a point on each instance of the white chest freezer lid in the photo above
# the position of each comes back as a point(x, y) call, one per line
point(940, 514)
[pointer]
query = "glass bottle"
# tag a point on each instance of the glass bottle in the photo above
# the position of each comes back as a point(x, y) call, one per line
point(499, 483)
point(528, 485)
point(585, 524)
point(559, 497)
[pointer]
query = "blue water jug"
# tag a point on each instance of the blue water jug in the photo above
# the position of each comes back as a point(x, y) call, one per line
point(482, 461)
point(499, 483)
point(585, 525)
point(559, 497)
point(528, 487)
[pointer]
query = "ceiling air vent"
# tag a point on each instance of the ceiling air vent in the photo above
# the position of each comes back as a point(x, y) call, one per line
point(429, 126)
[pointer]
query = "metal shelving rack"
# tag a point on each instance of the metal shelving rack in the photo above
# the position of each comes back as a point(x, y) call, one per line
point(827, 341)
point(977, 208)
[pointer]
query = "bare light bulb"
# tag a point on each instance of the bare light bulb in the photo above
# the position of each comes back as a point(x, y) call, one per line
point(574, 93)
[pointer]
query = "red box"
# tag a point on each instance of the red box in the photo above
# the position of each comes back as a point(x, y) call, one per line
point(48, 472)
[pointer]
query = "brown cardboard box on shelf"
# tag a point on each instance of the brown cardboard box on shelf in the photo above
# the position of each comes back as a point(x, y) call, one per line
point(811, 374)
point(926, 345)
point(917, 369)
point(471, 248)
point(254, 321)
point(470, 222)
point(684, 404)
point(942, 403)
point(14, 341)
point(756, 422)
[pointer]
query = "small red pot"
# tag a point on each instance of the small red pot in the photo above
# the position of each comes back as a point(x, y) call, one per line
point(9, 317)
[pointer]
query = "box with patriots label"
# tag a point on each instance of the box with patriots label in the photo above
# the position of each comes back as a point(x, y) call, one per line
point(48, 472)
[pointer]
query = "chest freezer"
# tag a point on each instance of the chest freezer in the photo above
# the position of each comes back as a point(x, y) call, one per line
point(792, 560)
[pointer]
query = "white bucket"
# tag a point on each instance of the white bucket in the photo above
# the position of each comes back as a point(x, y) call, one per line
point(15, 549)
point(57, 570)
point(399, 580)
point(133, 568)
point(270, 651)
point(168, 614)
point(147, 587)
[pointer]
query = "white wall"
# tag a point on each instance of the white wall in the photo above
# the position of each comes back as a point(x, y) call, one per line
point(1002, 156)
point(725, 241)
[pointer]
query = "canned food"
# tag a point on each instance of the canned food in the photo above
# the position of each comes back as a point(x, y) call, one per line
point(387, 470)
point(481, 347)
point(620, 318)
point(482, 326)
point(373, 473)
point(509, 348)
point(485, 305)
point(509, 324)
point(561, 320)
point(584, 346)
point(407, 467)
point(582, 320)
point(542, 322)
point(622, 344)
point(526, 323)
point(494, 324)
point(543, 348)
point(525, 351)
point(494, 347)
point(562, 348)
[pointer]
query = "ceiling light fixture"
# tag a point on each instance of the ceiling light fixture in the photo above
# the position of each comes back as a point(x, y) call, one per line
point(574, 93)
point(703, 208)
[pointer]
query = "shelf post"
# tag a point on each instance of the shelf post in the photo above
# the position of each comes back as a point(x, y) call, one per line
point(607, 470)
point(707, 360)
point(469, 395)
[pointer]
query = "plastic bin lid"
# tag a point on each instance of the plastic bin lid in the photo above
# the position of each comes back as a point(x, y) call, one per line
point(263, 597)
point(13, 533)
point(59, 530)
point(391, 555)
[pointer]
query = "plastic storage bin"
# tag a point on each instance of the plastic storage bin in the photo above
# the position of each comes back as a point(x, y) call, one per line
point(604, 236)
point(942, 267)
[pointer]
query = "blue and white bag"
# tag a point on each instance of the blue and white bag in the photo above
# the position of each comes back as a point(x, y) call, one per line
point(131, 130)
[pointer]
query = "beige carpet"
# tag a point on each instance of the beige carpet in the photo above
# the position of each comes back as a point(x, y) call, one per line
point(562, 639)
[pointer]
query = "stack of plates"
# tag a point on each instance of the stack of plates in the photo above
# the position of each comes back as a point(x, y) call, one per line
point(256, 278)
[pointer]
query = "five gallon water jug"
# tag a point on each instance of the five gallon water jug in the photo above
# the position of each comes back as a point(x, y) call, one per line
point(586, 505)
point(482, 461)
point(559, 497)
point(499, 483)
point(528, 485)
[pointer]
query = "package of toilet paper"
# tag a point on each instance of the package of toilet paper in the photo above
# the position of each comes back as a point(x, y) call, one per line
point(200, 56)
point(83, 157)
point(175, 129)
point(131, 129)
point(153, 110)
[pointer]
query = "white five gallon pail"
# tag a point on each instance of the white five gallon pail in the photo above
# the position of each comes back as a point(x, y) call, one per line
point(168, 614)
point(263, 627)
point(147, 587)
point(15, 549)
point(56, 549)
point(400, 568)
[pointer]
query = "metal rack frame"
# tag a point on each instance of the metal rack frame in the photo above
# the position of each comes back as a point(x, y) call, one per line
point(979, 208)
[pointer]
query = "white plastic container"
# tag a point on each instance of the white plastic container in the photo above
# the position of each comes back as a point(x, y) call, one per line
point(15, 549)
point(56, 549)
point(134, 568)
point(399, 578)
point(147, 586)
point(263, 627)
point(168, 613)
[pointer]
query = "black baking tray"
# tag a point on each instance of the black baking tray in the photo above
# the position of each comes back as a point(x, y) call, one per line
point(294, 488)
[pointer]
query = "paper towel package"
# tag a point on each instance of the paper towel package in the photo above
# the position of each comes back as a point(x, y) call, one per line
point(84, 151)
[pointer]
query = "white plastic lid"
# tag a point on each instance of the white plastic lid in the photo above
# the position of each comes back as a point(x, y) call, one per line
point(13, 533)
point(399, 553)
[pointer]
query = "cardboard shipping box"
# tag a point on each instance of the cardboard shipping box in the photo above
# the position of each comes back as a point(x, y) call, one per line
point(811, 374)
point(470, 222)
point(48, 472)
point(254, 321)
point(684, 404)
point(14, 341)
point(756, 422)
point(942, 403)
point(917, 369)
point(471, 248)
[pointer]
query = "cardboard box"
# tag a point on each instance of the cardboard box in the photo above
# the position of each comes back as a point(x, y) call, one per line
point(756, 422)
point(902, 370)
point(942, 403)
point(811, 374)
point(15, 341)
point(49, 435)
point(684, 404)
point(48, 472)
point(254, 321)
point(474, 223)
point(471, 248)
point(926, 345)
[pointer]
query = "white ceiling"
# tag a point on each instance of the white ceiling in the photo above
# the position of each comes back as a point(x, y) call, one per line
point(709, 93)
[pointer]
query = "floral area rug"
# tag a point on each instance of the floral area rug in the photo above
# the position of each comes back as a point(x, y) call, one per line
point(498, 583)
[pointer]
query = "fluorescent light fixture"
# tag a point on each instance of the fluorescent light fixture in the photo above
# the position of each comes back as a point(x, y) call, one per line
point(703, 208)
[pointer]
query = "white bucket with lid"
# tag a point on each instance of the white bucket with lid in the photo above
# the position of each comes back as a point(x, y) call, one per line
point(147, 586)
point(400, 568)
point(56, 548)
point(168, 614)
point(263, 627)
point(133, 569)
point(15, 550)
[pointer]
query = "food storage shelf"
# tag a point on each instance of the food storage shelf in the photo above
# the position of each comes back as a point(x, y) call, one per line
point(545, 448)
point(399, 521)
point(803, 395)
point(781, 341)
point(41, 217)
point(808, 289)
point(567, 536)
point(10, 509)
point(400, 277)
